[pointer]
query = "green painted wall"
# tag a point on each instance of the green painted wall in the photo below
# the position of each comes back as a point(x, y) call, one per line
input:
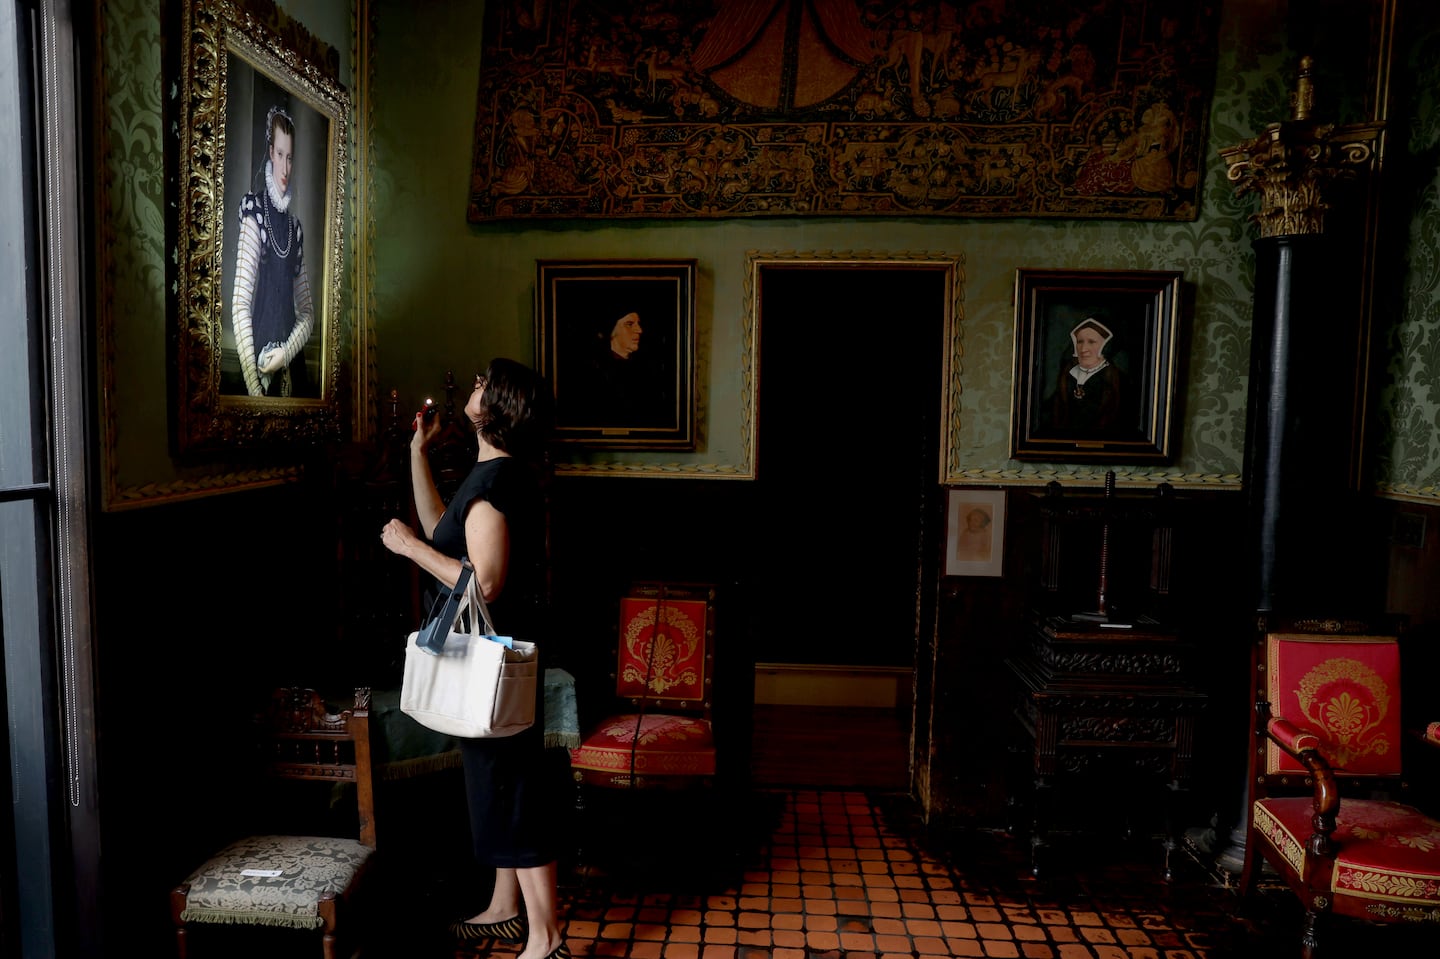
point(448, 294)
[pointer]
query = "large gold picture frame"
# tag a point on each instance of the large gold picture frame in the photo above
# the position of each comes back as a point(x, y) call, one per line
point(235, 71)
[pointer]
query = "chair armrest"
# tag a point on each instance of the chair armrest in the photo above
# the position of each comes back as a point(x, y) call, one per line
point(1291, 737)
point(1304, 746)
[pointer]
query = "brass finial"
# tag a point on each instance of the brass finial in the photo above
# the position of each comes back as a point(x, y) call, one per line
point(1302, 101)
point(1295, 162)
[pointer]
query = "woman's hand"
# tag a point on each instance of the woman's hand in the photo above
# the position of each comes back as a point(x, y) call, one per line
point(399, 538)
point(426, 429)
point(273, 361)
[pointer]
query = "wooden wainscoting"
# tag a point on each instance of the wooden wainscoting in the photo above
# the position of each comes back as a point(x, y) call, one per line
point(831, 726)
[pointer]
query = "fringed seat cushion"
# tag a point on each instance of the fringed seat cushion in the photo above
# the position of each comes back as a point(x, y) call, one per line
point(310, 868)
point(667, 745)
point(1387, 860)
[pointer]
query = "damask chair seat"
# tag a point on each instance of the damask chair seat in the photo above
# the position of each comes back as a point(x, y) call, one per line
point(1387, 855)
point(273, 880)
point(300, 881)
point(647, 746)
point(1326, 723)
point(664, 669)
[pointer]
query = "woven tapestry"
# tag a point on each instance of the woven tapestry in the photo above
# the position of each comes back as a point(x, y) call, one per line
point(730, 108)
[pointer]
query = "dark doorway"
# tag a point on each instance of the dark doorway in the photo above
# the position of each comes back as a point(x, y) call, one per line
point(850, 379)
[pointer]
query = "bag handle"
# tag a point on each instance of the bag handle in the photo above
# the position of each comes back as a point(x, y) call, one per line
point(447, 609)
point(473, 597)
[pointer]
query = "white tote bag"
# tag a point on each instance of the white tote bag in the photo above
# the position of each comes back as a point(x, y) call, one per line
point(472, 684)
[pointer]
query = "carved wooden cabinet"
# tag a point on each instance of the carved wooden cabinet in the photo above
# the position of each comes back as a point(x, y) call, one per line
point(1104, 692)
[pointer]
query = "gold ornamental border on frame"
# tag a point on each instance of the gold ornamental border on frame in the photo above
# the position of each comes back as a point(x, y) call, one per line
point(215, 34)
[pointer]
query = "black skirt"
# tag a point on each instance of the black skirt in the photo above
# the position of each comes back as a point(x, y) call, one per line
point(516, 795)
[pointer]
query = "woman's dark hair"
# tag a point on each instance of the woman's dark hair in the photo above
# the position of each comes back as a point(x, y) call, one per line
point(275, 119)
point(516, 408)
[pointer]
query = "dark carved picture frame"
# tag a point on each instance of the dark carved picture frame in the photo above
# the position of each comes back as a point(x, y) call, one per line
point(1123, 411)
point(609, 394)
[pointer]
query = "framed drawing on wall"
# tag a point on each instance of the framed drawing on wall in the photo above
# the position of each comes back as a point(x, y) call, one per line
point(1095, 365)
point(260, 237)
point(975, 532)
point(616, 340)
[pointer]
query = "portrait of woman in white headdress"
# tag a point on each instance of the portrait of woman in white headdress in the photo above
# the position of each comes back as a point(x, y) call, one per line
point(1089, 396)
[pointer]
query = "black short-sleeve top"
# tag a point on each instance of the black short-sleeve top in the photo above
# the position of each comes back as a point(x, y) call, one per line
point(511, 486)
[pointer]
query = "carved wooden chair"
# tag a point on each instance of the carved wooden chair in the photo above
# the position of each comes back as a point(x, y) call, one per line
point(1327, 724)
point(659, 738)
point(303, 882)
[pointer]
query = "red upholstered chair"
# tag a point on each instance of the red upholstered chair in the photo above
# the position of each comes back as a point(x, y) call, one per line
point(1327, 722)
point(648, 768)
point(664, 669)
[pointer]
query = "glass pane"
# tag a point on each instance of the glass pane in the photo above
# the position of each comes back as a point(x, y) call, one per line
point(22, 380)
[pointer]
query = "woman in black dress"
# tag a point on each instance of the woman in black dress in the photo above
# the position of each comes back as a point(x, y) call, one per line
point(497, 519)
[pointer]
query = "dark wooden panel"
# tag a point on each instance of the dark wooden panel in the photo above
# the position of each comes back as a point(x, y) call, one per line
point(830, 746)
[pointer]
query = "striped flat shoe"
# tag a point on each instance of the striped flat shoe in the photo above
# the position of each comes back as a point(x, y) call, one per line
point(507, 930)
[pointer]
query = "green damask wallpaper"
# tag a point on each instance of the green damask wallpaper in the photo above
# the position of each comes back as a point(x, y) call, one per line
point(1406, 428)
point(447, 294)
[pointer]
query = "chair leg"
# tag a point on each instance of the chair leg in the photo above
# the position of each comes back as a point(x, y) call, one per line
point(1310, 932)
point(326, 908)
point(582, 825)
point(177, 906)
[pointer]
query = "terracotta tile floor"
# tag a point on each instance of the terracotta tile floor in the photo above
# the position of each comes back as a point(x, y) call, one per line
point(846, 875)
point(851, 874)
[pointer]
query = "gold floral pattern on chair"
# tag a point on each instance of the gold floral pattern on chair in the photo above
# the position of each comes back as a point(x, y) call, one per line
point(667, 657)
point(1349, 703)
point(656, 729)
point(657, 744)
point(1385, 850)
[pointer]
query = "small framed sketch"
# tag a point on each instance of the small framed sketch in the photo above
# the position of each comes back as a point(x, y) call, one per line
point(1095, 361)
point(975, 532)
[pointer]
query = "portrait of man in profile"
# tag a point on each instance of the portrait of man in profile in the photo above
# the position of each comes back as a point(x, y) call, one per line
point(617, 347)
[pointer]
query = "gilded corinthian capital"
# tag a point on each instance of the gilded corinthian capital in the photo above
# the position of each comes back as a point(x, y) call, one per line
point(1294, 162)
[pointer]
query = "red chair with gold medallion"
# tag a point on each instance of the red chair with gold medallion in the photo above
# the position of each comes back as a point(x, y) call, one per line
point(664, 672)
point(1327, 723)
point(648, 769)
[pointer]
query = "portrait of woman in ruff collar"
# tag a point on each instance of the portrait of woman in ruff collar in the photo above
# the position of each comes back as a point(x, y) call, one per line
point(273, 241)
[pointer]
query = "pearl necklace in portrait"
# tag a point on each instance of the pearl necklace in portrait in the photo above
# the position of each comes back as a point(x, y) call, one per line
point(280, 203)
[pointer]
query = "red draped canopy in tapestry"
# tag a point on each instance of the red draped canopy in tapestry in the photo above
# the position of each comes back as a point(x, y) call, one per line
point(662, 109)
